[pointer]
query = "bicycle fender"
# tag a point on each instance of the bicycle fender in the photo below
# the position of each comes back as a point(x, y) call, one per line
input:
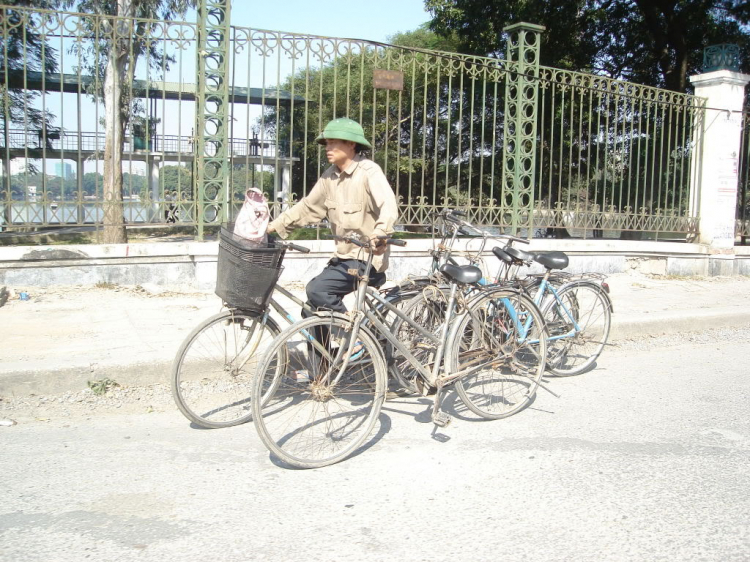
point(340, 315)
point(595, 286)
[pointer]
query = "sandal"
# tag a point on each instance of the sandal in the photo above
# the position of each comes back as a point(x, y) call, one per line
point(357, 351)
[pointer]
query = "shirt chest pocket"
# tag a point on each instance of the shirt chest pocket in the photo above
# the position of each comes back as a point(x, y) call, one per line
point(346, 215)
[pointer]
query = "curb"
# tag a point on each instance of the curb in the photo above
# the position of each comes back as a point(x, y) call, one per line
point(157, 371)
point(676, 323)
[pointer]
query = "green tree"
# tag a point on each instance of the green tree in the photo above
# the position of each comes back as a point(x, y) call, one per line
point(433, 139)
point(134, 184)
point(176, 179)
point(653, 43)
point(245, 177)
point(92, 183)
point(23, 50)
point(643, 41)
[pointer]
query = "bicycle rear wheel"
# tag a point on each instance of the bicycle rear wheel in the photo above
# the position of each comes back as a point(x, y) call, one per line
point(578, 325)
point(319, 412)
point(427, 310)
point(213, 371)
point(500, 343)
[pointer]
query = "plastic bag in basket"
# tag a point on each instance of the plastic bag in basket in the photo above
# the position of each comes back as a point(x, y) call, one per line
point(252, 221)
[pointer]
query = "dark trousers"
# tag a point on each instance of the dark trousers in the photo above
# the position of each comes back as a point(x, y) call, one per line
point(328, 289)
point(326, 292)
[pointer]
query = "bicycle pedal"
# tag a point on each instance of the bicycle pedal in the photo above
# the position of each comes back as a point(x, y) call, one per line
point(441, 419)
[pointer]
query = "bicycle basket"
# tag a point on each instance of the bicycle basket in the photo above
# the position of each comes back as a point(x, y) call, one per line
point(262, 254)
point(246, 272)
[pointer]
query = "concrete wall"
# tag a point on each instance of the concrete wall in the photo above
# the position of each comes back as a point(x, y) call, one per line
point(193, 264)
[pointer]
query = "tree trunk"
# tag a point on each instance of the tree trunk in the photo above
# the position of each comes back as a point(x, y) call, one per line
point(116, 107)
point(114, 220)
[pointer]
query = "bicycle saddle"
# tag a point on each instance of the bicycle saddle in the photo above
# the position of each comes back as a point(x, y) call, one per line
point(552, 260)
point(463, 274)
point(502, 255)
point(520, 255)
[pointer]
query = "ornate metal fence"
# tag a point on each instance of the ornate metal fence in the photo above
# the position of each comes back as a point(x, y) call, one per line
point(610, 157)
point(52, 111)
point(434, 119)
point(615, 157)
point(536, 150)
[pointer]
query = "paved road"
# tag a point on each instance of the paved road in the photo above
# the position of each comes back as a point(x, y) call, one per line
point(646, 458)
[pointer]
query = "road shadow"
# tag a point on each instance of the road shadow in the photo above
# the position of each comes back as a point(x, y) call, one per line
point(383, 425)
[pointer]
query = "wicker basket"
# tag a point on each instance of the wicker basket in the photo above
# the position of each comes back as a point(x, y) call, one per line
point(264, 255)
point(246, 271)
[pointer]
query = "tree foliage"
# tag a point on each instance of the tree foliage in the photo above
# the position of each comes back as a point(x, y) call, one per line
point(23, 50)
point(425, 137)
point(658, 43)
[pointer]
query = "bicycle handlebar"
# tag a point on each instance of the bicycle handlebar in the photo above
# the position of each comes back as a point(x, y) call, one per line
point(296, 248)
point(453, 215)
point(366, 244)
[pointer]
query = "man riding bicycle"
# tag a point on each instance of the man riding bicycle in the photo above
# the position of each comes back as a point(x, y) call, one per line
point(356, 198)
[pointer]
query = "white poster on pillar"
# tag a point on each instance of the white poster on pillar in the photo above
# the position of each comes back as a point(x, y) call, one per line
point(726, 198)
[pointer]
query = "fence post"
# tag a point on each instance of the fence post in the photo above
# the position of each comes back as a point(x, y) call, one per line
point(212, 113)
point(715, 175)
point(521, 100)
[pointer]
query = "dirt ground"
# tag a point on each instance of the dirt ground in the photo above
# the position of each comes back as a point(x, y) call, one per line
point(64, 345)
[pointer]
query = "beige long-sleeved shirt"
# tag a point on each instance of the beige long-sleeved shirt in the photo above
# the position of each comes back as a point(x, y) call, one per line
point(356, 201)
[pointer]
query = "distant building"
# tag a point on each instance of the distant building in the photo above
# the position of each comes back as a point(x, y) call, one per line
point(64, 170)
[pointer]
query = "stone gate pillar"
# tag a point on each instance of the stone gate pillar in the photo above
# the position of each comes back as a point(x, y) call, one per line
point(715, 173)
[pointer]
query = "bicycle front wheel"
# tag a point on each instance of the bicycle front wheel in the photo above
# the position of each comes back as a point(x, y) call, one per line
point(213, 371)
point(499, 345)
point(326, 398)
point(578, 323)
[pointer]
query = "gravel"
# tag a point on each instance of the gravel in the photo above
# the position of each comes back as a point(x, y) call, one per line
point(645, 343)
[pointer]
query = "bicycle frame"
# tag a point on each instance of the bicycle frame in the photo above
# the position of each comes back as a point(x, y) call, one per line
point(546, 286)
point(430, 376)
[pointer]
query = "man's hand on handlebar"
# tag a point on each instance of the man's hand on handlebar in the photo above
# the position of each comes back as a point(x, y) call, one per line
point(377, 246)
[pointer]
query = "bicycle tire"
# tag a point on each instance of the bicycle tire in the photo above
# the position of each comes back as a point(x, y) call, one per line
point(588, 305)
point(212, 373)
point(310, 420)
point(429, 313)
point(506, 366)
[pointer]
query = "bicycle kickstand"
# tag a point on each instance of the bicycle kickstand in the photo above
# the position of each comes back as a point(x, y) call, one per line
point(439, 418)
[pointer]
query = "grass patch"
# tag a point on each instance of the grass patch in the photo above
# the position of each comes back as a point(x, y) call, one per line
point(403, 234)
point(105, 285)
point(310, 234)
point(73, 239)
point(101, 386)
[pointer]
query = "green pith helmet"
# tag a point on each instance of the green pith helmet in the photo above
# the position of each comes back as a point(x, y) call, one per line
point(343, 129)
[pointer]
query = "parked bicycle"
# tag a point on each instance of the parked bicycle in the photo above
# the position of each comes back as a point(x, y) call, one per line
point(577, 308)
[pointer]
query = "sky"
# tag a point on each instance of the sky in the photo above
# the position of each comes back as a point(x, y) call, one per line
point(375, 20)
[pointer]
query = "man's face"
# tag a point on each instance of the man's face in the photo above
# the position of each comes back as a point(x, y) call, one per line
point(339, 151)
